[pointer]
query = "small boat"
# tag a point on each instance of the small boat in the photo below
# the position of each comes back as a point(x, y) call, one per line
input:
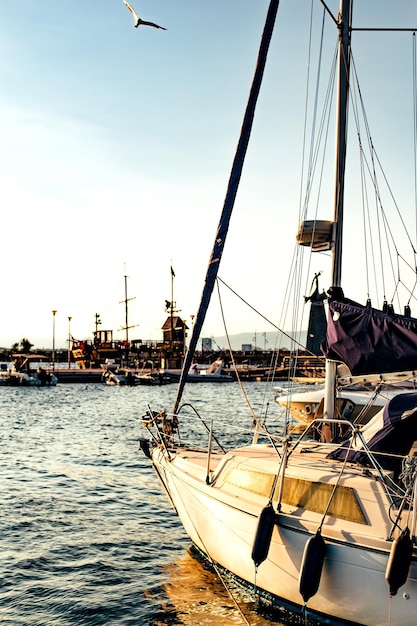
point(196, 374)
point(358, 403)
point(323, 523)
point(24, 371)
point(113, 374)
point(152, 378)
point(113, 378)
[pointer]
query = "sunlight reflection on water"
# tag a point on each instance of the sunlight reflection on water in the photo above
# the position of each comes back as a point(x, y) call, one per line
point(88, 536)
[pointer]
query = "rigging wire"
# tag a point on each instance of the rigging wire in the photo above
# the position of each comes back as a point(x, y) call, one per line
point(335, 486)
point(366, 213)
point(300, 255)
point(372, 174)
point(216, 568)
point(233, 185)
point(370, 164)
point(323, 140)
point(317, 130)
point(378, 235)
point(285, 334)
point(254, 416)
point(305, 107)
point(259, 426)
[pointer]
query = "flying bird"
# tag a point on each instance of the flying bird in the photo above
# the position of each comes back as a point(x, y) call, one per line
point(137, 19)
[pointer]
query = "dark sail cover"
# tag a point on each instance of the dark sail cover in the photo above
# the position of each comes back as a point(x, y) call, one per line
point(392, 430)
point(367, 340)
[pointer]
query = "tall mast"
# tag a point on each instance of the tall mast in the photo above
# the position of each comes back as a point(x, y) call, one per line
point(126, 312)
point(344, 25)
point(126, 303)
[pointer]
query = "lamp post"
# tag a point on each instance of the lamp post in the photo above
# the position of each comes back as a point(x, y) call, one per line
point(69, 341)
point(53, 338)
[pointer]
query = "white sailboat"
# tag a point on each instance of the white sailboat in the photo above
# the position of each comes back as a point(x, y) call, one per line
point(325, 526)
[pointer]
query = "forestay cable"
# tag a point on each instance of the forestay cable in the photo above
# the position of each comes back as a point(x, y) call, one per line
point(232, 188)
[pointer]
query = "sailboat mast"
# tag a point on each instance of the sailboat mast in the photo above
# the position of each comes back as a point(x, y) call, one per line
point(345, 22)
point(126, 303)
point(126, 312)
point(344, 25)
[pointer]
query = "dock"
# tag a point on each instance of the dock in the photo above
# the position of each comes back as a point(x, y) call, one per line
point(92, 375)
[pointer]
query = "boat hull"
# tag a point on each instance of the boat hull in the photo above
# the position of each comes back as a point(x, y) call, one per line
point(18, 379)
point(199, 378)
point(352, 587)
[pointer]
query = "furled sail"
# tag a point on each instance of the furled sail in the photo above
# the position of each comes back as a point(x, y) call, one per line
point(367, 340)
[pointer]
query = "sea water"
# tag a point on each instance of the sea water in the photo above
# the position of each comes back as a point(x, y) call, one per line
point(87, 535)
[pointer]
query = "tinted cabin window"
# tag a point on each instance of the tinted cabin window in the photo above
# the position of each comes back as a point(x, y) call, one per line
point(315, 496)
point(256, 482)
point(304, 494)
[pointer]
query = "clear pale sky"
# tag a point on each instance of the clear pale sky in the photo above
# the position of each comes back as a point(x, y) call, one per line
point(116, 146)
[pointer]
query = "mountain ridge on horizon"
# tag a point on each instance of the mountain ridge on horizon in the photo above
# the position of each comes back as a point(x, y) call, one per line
point(262, 341)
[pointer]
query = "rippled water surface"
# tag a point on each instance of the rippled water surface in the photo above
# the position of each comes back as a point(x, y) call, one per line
point(87, 534)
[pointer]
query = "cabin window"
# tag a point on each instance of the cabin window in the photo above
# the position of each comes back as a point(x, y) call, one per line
point(305, 494)
point(260, 483)
point(314, 496)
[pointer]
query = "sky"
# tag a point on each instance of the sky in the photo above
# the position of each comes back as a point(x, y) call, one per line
point(116, 146)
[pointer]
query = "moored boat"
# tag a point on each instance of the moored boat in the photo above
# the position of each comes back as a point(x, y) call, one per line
point(25, 370)
point(358, 402)
point(196, 374)
point(113, 374)
point(326, 522)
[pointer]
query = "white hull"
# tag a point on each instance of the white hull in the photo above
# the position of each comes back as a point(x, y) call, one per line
point(25, 371)
point(22, 379)
point(358, 495)
point(223, 525)
point(305, 405)
point(199, 378)
point(197, 374)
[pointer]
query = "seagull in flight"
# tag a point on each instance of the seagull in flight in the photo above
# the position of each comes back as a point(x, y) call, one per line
point(137, 19)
